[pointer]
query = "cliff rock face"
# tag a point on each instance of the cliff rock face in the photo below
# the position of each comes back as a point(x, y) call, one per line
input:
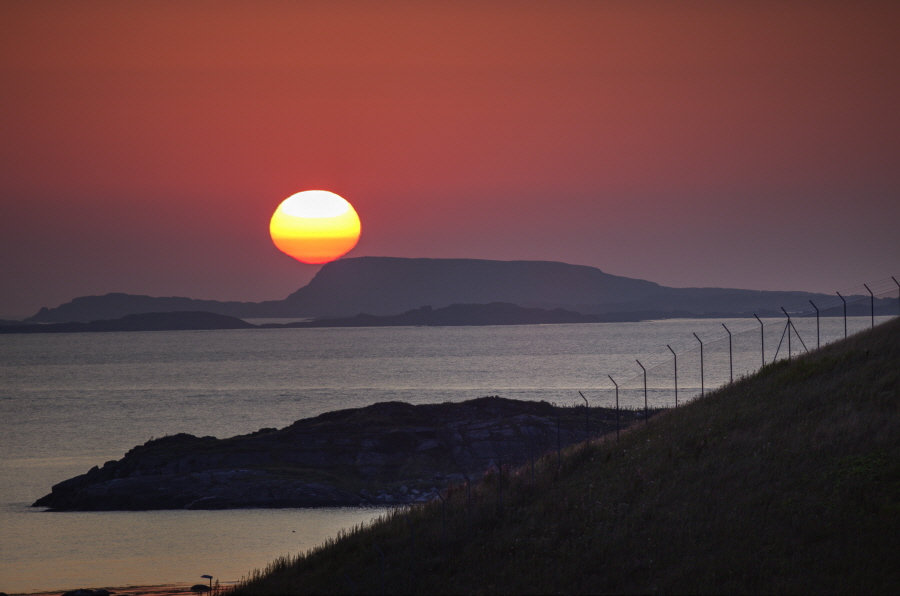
point(387, 285)
point(385, 453)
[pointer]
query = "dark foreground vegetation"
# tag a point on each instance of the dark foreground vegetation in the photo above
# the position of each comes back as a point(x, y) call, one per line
point(784, 482)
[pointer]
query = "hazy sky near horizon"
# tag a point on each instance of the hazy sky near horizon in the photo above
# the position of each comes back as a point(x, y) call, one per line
point(735, 144)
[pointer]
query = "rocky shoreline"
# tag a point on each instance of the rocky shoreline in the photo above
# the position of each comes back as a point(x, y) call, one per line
point(386, 453)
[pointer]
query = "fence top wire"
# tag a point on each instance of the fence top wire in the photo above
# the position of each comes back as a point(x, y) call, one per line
point(884, 289)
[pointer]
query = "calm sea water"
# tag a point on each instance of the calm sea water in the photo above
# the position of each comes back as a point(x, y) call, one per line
point(72, 401)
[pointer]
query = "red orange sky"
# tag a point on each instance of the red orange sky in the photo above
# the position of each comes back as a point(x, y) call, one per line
point(144, 146)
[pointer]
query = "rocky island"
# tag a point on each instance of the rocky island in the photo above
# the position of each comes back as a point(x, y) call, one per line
point(386, 453)
point(151, 321)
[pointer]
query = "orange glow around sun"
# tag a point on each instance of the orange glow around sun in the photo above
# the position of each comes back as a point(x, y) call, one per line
point(315, 226)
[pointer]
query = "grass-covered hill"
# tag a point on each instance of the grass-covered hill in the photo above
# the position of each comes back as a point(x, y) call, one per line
point(784, 482)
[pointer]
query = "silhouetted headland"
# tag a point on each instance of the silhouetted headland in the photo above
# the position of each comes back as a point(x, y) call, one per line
point(152, 321)
point(390, 285)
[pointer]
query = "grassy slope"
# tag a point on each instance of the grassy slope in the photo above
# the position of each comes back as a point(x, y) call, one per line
point(787, 481)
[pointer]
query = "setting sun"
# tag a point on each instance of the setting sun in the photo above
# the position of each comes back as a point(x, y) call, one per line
point(315, 226)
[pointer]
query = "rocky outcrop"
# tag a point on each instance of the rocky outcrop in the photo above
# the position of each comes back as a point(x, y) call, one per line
point(385, 453)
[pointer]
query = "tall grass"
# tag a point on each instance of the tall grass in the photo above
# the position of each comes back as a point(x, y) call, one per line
point(786, 481)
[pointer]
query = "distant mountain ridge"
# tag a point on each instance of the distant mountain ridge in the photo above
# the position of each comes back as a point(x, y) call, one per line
point(495, 313)
point(394, 285)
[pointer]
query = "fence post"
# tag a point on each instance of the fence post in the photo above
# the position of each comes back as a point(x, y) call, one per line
point(730, 357)
point(872, 303)
point(818, 341)
point(762, 339)
point(587, 417)
point(780, 342)
point(845, 313)
point(789, 325)
point(646, 412)
point(702, 388)
point(898, 291)
point(676, 373)
point(800, 337)
point(617, 407)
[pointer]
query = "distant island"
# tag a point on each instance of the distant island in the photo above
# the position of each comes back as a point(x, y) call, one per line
point(153, 321)
point(386, 286)
point(496, 313)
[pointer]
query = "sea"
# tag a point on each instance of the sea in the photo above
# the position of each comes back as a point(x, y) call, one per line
point(71, 401)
